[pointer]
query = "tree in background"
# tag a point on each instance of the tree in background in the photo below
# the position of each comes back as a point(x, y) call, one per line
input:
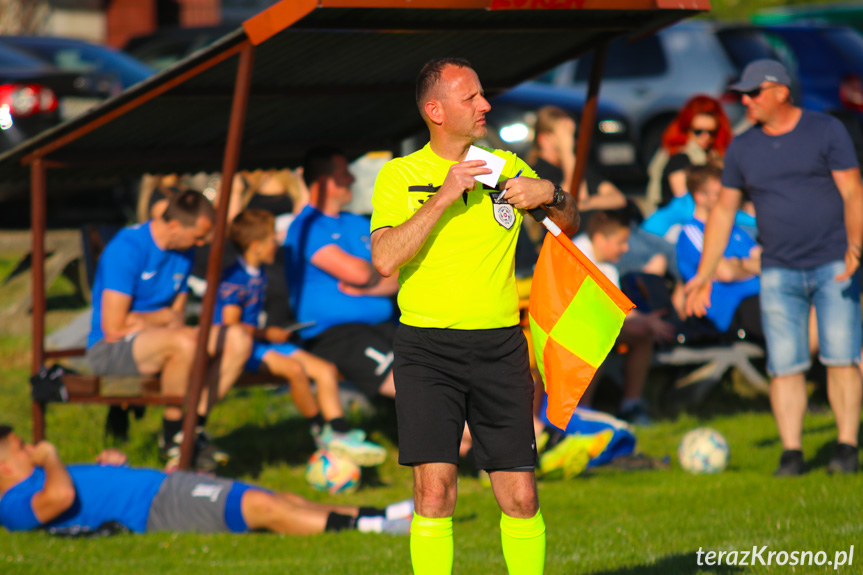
point(743, 9)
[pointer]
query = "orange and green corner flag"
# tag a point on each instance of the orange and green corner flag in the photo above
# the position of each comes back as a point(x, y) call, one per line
point(576, 314)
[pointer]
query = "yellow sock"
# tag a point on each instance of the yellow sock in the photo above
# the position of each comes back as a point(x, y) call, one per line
point(431, 545)
point(523, 542)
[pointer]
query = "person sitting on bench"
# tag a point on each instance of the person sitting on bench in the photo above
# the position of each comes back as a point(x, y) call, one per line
point(736, 285)
point(138, 325)
point(242, 295)
point(38, 491)
point(606, 240)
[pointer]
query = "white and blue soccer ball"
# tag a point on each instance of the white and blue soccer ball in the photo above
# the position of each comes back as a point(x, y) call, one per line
point(703, 450)
point(327, 471)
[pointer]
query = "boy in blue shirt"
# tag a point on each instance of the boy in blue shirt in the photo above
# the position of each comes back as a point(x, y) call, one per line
point(38, 491)
point(735, 285)
point(241, 300)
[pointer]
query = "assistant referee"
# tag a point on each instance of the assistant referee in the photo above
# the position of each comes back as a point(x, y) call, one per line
point(459, 353)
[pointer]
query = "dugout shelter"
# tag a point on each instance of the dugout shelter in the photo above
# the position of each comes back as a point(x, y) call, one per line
point(298, 74)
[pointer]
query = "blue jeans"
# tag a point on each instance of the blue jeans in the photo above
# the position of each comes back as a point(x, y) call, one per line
point(786, 298)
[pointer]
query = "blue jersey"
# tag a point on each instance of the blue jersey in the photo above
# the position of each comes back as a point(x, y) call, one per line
point(132, 264)
point(243, 286)
point(678, 212)
point(315, 295)
point(102, 493)
point(800, 212)
point(675, 212)
point(726, 296)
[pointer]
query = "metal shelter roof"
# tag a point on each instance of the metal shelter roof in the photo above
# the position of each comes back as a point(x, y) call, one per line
point(325, 71)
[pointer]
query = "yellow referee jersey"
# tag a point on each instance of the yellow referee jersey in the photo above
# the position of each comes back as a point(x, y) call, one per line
point(463, 276)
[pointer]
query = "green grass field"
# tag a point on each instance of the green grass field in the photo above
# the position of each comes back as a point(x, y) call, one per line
point(605, 522)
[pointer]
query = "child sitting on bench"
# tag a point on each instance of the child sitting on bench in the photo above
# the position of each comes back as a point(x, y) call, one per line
point(240, 301)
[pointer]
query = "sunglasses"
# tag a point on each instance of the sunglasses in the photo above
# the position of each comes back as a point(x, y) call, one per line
point(756, 92)
point(700, 132)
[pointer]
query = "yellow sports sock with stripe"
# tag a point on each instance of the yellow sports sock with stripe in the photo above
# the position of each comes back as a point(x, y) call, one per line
point(523, 542)
point(431, 545)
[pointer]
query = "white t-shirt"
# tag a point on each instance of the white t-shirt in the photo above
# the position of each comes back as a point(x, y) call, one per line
point(582, 242)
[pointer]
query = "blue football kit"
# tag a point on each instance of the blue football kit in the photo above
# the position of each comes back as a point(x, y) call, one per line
point(245, 286)
point(726, 296)
point(315, 294)
point(132, 264)
point(103, 493)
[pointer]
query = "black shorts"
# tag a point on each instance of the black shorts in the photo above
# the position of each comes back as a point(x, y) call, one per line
point(445, 377)
point(363, 353)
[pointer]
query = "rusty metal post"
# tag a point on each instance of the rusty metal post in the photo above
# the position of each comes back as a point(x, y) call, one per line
point(214, 266)
point(37, 230)
point(588, 117)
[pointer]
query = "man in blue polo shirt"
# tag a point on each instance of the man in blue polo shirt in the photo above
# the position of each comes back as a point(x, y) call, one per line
point(333, 283)
point(38, 491)
point(800, 169)
point(138, 326)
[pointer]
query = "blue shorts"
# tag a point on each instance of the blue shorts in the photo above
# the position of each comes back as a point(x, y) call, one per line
point(261, 348)
point(786, 298)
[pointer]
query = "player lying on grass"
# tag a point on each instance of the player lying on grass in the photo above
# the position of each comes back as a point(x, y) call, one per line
point(37, 490)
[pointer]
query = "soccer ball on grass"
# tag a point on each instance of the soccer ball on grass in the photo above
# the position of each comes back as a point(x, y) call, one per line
point(327, 471)
point(703, 450)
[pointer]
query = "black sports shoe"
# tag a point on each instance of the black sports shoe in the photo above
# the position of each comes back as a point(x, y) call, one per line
point(207, 457)
point(117, 424)
point(790, 464)
point(844, 459)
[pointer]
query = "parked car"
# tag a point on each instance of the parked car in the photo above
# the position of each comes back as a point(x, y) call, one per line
point(513, 115)
point(72, 55)
point(167, 46)
point(35, 95)
point(828, 61)
point(650, 79)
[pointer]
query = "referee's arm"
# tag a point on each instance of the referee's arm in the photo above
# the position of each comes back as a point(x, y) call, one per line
point(394, 247)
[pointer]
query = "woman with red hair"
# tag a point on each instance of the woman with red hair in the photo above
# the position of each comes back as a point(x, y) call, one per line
point(699, 134)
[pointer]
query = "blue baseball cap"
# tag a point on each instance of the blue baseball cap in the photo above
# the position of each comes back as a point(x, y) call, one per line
point(761, 71)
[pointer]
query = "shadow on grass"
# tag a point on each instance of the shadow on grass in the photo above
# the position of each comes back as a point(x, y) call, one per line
point(808, 430)
point(253, 446)
point(825, 452)
point(681, 564)
point(288, 441)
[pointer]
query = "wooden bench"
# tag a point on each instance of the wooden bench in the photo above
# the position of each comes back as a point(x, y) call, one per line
point(138, 390)
point(713, 363)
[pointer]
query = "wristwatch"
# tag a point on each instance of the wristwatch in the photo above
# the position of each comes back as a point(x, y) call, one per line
point(557, 199)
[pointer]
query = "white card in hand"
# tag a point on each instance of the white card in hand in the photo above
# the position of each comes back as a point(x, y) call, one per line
point(494, 163)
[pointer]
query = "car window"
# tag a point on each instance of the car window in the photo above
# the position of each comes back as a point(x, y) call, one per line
point(548, 77)
point(810, 51)
point(640, 59)
point(744, 46)
point(847, 41)
point(165, 52)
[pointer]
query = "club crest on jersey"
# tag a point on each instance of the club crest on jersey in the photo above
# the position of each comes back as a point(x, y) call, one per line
point(504, 213)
